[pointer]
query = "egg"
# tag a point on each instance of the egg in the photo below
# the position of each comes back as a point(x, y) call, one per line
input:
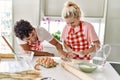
point(37, 67)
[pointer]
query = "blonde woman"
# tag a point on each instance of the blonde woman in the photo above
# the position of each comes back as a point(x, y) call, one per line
point(79, 36)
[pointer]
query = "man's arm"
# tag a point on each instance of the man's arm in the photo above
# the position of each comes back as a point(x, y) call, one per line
point(67, 47)
point(36, 53)
point(58, 46)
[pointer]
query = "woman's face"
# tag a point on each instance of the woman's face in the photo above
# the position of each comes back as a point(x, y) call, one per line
point(32, 37)
point(73, 22)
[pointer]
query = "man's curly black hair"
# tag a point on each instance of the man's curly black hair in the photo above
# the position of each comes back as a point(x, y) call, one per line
point(22, 29)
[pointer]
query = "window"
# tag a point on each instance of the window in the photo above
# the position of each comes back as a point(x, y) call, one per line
point(5, 25)
point(53, 25)
point(56, 25)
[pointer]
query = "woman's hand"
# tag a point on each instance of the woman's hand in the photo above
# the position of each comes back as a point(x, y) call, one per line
point(67, 56)
point(80, 53)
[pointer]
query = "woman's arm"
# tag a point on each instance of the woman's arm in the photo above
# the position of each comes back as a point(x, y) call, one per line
point(36, 53)
point(93, 48)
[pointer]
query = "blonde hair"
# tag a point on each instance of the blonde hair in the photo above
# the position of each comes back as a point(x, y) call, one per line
point(71, 10)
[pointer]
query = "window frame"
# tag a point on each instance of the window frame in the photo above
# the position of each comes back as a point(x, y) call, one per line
point(99, 21)
point(9, 37)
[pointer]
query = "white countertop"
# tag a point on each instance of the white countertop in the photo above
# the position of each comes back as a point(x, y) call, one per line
point(59, 73)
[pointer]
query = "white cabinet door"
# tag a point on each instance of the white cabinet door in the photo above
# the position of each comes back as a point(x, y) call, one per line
point(26, 9)
point(91, 8)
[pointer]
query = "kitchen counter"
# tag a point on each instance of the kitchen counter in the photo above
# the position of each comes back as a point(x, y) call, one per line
point(116, 66)
point(59, 73)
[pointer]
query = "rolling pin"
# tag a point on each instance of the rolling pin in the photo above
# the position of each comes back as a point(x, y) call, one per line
point(81, 75)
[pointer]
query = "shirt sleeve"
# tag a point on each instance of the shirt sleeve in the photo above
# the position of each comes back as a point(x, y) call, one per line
point(19, 41)
point(92, 36)
point(65, 33)
point(44, 34)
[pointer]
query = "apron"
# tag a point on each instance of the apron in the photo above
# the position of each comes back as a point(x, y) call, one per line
point(77, 42)
point(36, 45)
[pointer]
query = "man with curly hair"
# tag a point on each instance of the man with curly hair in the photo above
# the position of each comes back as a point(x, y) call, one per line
point(30, 39)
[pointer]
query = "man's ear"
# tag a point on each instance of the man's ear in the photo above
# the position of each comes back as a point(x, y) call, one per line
point(33, 29)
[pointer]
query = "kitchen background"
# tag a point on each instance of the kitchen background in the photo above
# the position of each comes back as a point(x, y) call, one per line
point(103, 14)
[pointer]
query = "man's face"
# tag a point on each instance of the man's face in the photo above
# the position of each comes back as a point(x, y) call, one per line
point(32, 37)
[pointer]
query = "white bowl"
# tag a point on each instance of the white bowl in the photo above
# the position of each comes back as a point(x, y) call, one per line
point(25, 55)
point(87, 67)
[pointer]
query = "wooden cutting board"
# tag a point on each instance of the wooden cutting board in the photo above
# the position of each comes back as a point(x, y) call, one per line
point(6, 55)
point(81, 75)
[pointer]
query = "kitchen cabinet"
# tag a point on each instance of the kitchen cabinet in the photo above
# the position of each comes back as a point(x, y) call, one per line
point(91, 8)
